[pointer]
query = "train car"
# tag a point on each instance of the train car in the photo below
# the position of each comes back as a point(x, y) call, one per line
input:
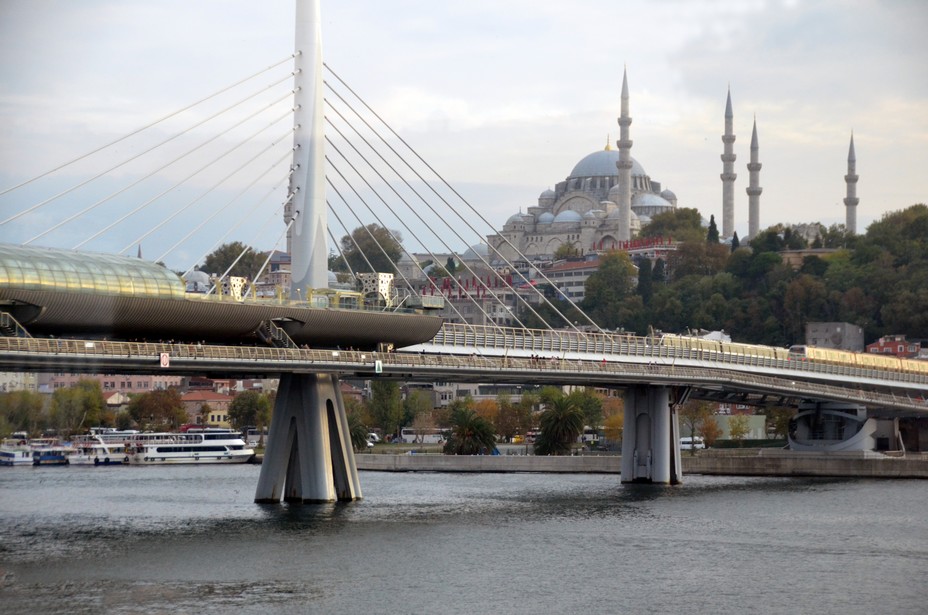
point(879, 361)
point(914, 366)
point(689, 343)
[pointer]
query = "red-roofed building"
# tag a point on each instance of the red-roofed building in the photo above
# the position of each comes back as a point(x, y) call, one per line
point(218, 408)
point(895, 345)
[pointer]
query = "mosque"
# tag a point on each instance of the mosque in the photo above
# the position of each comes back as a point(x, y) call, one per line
point(601, 205)
point(608, 197)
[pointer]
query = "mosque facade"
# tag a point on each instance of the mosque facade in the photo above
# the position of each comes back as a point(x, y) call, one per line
point(601, 205)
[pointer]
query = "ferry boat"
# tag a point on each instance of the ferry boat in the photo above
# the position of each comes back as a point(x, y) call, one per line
point(196, 446)
point(15, 452)
point(93, 450)
point(50, 452)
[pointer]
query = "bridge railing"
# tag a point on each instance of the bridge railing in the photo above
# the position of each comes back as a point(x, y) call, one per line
point(611, 346)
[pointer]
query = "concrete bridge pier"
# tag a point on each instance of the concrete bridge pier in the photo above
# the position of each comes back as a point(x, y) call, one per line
point(308, 457)
point(650, 441)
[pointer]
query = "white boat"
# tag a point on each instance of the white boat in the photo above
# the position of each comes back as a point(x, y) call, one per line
point(192, 447)
point(93, 450)
point(15, 452)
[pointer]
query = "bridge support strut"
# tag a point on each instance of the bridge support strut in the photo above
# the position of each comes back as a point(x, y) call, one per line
point(308, 457)
point(651, 437)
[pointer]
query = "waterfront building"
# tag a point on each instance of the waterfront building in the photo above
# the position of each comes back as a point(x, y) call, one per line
point(838, 335)
point(896, 345)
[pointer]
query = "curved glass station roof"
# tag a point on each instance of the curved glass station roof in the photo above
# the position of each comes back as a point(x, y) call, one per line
point(33, 268)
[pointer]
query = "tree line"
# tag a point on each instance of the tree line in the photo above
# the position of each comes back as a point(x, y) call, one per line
point(878, 281)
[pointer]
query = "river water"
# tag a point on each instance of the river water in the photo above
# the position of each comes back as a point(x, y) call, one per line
point(189, 539)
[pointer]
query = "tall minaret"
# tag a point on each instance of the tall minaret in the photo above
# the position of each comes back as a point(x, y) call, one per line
point(850, 203)
point(754, 188)
point(728, 174)
point(624, 164)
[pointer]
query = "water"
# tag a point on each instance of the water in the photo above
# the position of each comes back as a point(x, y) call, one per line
point(189, 539)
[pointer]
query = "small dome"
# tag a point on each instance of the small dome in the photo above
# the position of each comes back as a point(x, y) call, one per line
point(669, 195)
point(546, 218)
point(568, 215)
point(649, 199)
point(547, 194)
point(520, 218)
point(333, 277)
point(644, 219)
point(476, 252)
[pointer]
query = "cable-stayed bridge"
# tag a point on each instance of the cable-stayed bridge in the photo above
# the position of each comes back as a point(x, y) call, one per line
point(283, 142)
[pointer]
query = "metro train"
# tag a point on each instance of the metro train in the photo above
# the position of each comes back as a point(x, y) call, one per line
point(799, 353)
point(858, 359)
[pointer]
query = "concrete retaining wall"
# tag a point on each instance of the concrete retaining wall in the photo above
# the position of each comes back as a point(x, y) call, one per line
point(755, 465)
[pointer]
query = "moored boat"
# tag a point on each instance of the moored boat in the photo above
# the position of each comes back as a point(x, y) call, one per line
point(15, 452)
point(191, 447)
point(93, 450)
point(50, 452)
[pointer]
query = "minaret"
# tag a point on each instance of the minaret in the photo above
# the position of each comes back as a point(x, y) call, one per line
point(754, 188)
point(850, 203)
point(624, 164)
point(728, 174)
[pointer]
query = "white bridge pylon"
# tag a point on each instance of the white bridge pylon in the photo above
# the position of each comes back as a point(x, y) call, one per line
point(308, 457)
point(651, 437)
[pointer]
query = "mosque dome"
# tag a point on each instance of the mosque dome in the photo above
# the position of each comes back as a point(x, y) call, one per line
point(568, 215)
point(601, 163)
point(547, 194)
point(476, 252)
point(669, 195)
point(546, 218)
point(520, 218)
point(649, 199)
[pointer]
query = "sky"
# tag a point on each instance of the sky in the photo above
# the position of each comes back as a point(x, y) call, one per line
point(504, 98)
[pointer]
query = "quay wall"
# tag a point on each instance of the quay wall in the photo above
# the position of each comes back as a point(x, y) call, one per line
point(734, 465)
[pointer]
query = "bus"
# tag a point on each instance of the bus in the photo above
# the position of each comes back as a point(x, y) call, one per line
point(411, 435)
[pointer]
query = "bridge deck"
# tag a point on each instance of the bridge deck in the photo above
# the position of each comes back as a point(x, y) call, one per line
point(711, 378)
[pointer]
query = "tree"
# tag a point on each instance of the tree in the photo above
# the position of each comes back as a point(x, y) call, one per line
point(712, 235)
point(160, 410)
point(735, 242)
point(709, 429)
point(248, 408)
point(738, 427)
point(512, 419)
point(778, 420)
point(608, 287)
point(590, 404)
point(471, 434)
point(418, 403)
point(560, 425)
point(693, 414)
point(21, 411)
point(614, 427)
point(386, 406)
point(381, 247)
point(566, 250)
point(680, 224)
point(77, 407)
point(645, 280)
point(221, 258)
point(357, 431)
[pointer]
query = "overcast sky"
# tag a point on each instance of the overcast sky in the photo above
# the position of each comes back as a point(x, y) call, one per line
point(504, 97)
